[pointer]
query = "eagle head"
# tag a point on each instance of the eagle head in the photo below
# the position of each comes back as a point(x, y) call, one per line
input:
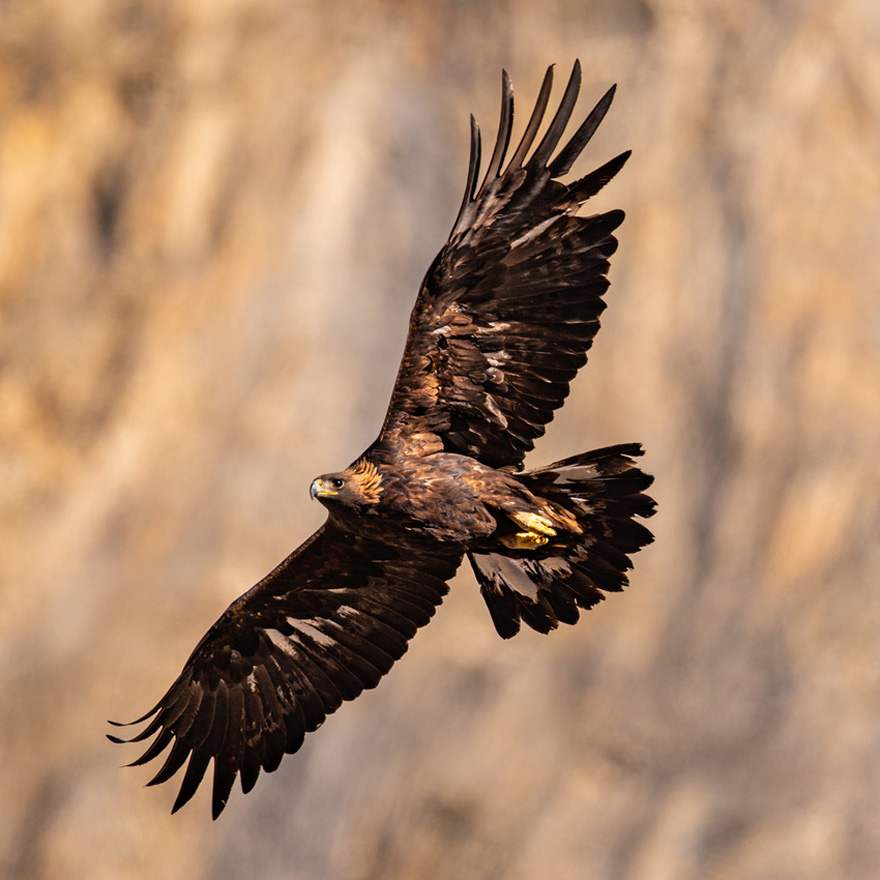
point(357, 486)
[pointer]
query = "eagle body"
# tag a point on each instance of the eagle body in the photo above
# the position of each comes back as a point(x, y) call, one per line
point(433, 496)
point(444, 496)
point(502, 323)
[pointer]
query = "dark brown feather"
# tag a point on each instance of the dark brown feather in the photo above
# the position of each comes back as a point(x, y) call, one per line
point(510, 306)
point(324, 625)
point(603, 490)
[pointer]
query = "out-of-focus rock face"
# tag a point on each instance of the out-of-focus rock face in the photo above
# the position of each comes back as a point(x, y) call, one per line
point(213, 221)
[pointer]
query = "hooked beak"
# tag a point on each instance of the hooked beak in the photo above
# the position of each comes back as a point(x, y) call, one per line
point(319, 490)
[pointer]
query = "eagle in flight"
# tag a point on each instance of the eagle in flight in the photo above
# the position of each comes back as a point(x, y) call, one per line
point(501, 325)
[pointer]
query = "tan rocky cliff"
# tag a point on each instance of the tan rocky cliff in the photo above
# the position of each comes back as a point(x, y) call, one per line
point(213, 221)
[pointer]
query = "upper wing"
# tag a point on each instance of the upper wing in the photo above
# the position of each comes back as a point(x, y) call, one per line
point(328, 622)
point(511, 304)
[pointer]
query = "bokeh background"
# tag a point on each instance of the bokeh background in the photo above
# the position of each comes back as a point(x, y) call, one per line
point(214, 217)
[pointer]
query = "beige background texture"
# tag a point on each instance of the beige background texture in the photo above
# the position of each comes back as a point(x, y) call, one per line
point(214, 217)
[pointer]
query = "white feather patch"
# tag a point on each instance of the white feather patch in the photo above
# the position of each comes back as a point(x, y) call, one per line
point(282, 642)
point(308, 629)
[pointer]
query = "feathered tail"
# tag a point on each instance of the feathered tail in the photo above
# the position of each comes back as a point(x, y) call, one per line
point(603, 490)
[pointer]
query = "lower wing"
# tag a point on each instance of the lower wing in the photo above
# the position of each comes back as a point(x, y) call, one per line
point(327, 623)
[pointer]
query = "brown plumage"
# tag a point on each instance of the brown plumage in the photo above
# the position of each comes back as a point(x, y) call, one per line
point(502, 323)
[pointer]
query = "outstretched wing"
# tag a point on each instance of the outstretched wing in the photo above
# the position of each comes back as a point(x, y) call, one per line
point(327, 623)
point(510, 306)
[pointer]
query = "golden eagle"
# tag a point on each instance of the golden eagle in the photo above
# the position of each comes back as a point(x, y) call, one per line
point(501, 325)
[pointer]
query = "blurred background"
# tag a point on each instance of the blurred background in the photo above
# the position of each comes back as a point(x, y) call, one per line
point(213, 221)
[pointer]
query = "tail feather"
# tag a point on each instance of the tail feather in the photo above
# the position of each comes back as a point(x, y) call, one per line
point(604, 490)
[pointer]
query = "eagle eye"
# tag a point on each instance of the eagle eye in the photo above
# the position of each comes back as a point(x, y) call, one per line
point(337, 482)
